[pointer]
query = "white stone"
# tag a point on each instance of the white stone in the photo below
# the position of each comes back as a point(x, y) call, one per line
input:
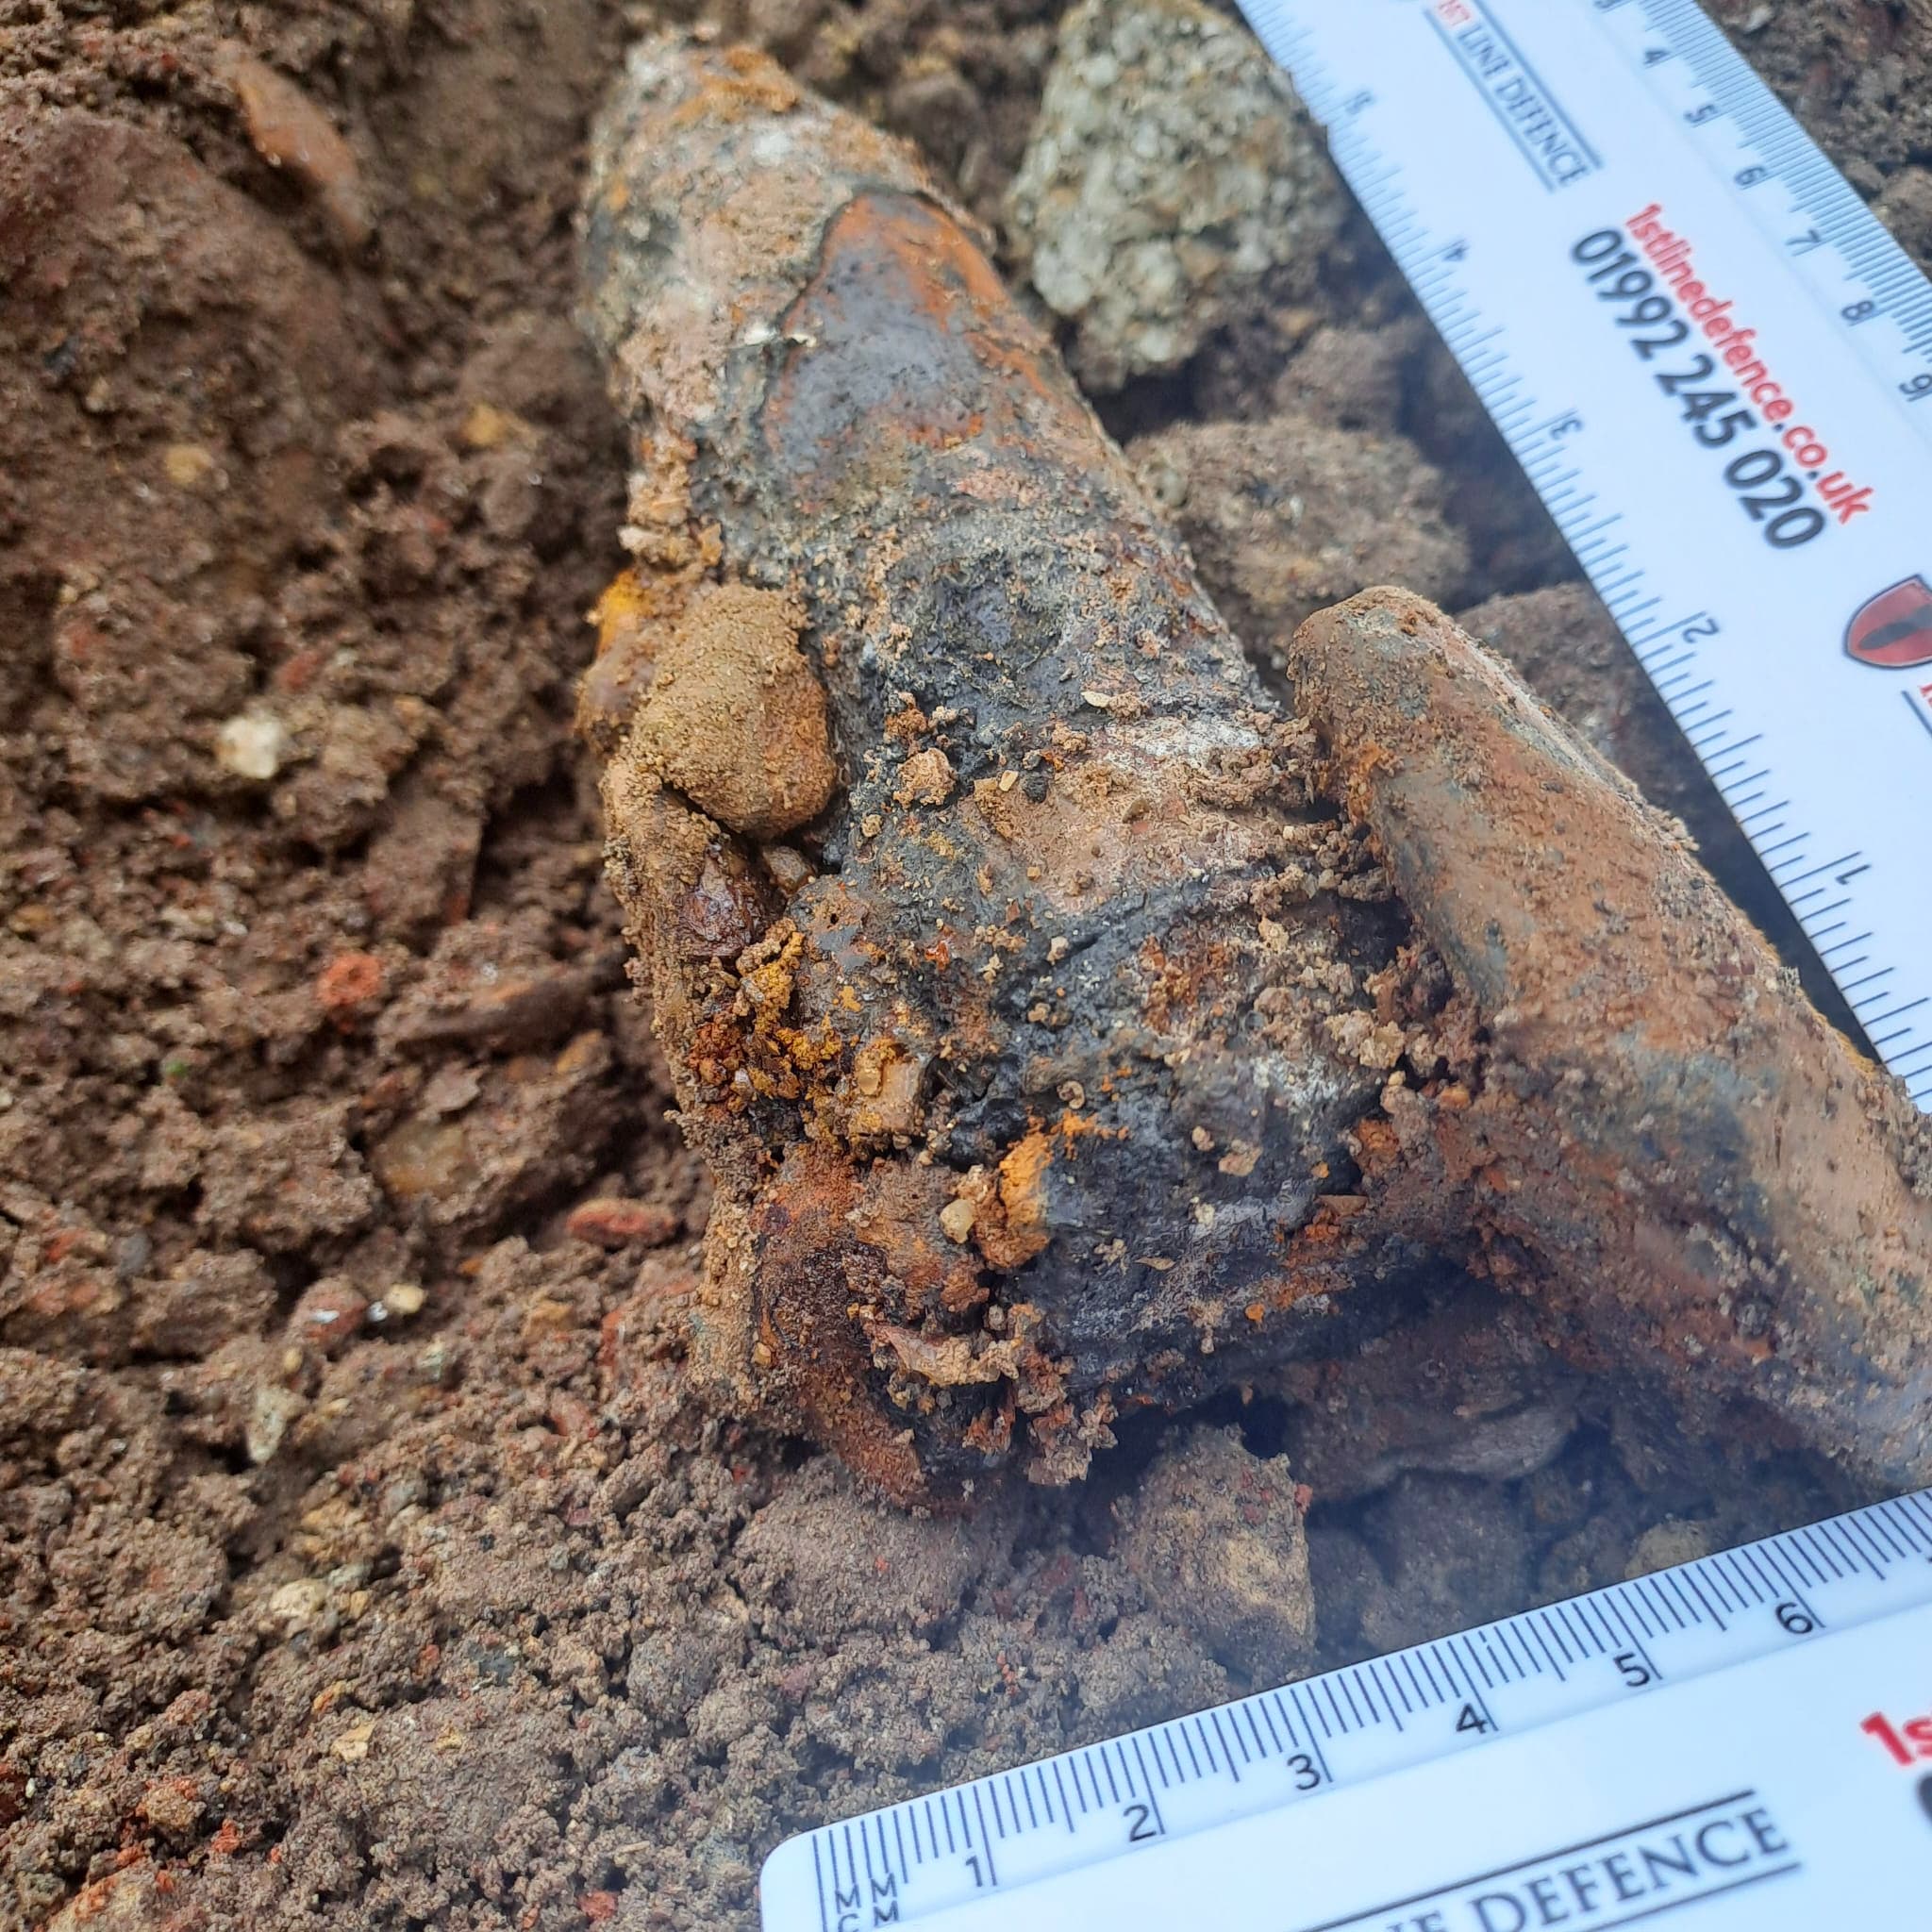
point(250, 744)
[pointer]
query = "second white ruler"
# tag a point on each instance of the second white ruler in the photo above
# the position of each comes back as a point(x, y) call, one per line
point(1716, 368)
point(1757, 1804)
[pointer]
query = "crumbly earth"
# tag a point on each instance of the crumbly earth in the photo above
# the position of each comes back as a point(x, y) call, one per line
point(1286, 515)
point(1220, 209)
point(365, 1559)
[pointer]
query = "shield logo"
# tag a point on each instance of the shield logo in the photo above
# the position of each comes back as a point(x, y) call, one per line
point(1894, 630)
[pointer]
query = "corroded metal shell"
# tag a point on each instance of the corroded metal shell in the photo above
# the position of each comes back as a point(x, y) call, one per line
point(1074, 1049)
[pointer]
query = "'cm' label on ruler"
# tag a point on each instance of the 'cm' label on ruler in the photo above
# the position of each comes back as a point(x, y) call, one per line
point(1716, 368)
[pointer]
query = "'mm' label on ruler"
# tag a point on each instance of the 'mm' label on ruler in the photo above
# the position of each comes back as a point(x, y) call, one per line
point(1716, 368)
point(1744, 1744)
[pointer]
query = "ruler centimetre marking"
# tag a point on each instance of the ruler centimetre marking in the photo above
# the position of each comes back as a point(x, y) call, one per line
point(1737, 447)
point(1792, 1677)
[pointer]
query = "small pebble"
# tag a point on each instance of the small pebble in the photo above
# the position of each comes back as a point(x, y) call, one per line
point(251, 745)
point(352, 1746)
point(273, 1408)
point(329, 1315)
point(926, 778)
point(297, 1606)
point(1666, 1544)
point(790, 869)
point(1214, 1534)
point(609, 1221)
point(188, 464)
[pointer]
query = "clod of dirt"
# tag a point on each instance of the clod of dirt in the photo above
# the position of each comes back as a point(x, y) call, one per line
point(827, 1549)
point(517, 1132)
point(1664, 1546)
point(1152, 231)
point(1352, 377)
point(142, 600)
point(1285, 517)
point(1469, 1390)
point(734, 717)
point(1214, 1535)
point(1454, 1552)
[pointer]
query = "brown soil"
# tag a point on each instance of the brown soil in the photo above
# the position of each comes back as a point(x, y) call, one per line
point(364, 1558)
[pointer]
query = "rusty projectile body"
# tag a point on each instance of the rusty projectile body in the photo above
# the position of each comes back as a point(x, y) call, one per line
point(1066, 1026)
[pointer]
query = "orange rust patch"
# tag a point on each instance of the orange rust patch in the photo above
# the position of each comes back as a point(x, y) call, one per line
point(1022, 1199)
point(754, 85)
point(628, 600)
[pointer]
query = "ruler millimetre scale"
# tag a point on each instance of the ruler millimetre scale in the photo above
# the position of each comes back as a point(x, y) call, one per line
point(1715, 365)
point(1716, 368)
point(1744, 1744)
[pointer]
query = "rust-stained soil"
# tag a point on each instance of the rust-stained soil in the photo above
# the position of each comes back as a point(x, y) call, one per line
point(366, 1558)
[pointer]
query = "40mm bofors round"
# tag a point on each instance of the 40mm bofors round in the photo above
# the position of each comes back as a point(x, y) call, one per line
point(1068, 1023)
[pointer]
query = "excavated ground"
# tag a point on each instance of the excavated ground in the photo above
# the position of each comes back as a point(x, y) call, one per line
point(365, 1558)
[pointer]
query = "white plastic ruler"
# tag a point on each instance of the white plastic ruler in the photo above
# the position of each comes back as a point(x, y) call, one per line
point(1715, 365)
point(1744, 1743)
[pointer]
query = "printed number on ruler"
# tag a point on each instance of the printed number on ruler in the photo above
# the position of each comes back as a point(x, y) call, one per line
point(1716, 368)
